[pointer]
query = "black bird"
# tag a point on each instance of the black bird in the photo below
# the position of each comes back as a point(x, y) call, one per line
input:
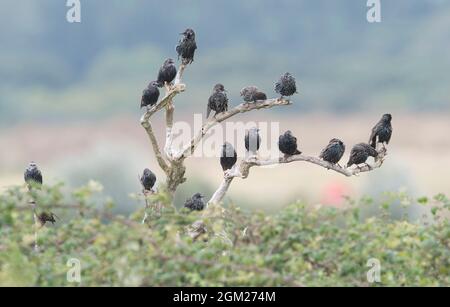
point(186, 47)
point(252, 140)
point(333, 152)
point(148, 179)
point(228, 156)
point(252, 94)
point(382, 131)
point(150, 95)
point(218, 101)
point(286, 85)
point(167, 73)
point(287, 143)
point(33, 176)
point(45, 217)
point(196, 203)
point(360, 153)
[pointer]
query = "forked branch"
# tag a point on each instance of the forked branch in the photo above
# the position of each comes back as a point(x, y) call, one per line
point(166, 102)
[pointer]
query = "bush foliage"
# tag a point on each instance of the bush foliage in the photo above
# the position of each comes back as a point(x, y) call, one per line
point(301, 245)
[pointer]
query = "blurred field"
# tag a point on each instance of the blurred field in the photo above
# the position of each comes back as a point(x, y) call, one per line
point(114, 151)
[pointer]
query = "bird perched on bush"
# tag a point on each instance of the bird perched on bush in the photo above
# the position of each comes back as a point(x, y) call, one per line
point(167, 73)
point(287, 143)
point(333, 152)
point(186, 47)
point(148, 179)
point(360, 153)
point(382, 131)
point(286, 85)
point(45, 217)
point(218, 101)
point(33, 176)
point(252, 140)
point(252, 94)
point(150, 95)
point(196, 203)
point(228, 156)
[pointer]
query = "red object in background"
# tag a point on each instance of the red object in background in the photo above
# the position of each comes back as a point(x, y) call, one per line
point(334, 193)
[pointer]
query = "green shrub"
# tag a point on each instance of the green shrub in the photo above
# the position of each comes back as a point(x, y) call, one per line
point(300, 245)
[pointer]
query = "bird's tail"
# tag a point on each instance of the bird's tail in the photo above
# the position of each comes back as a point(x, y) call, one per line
point(297, 152)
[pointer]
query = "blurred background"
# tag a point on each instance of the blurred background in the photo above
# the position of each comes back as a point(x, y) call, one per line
point(70, 93)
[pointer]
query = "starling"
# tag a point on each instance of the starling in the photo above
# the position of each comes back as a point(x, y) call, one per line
point(287, 143)
point(186, 47)
point(167, 73)
point(218, 101)
point(196, 203)
point(286, 85)
point(45, 217)
point(252, 140)
point(33, 176)
point(150, 95)
point(228, 156)
point(252, 94)
point(360, 153)
point(382, 131)
point(148, 179)
point(259, 96)
point(333, 152)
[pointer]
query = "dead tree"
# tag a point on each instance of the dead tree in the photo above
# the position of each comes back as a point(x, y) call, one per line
point(171, 161)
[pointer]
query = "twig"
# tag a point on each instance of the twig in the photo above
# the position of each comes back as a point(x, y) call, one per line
point(36, 223)
point(146, 207)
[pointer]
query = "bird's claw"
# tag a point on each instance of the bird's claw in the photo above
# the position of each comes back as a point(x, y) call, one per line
point(227, 174)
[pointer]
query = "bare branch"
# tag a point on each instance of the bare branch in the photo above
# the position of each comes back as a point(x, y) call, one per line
point(221, 191)
point(180, 74)
point(156, 149)
point(243, 169)
point(242, 108)
point(170, 108)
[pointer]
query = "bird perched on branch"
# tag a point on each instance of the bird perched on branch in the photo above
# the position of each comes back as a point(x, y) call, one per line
point(186, 47)
point(286, 85)
point(287, 143)
point(148, 179)
point(218, 101)
point(167, 73)
point(252, 94)
point(333, 152)
point(252, 140)
point(150, 95)
point(196, 203)
point(382, 131)
point(360, 153)
point(228, 156)
point(33, 176)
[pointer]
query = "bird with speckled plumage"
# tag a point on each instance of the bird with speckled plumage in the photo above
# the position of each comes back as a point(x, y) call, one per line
point(333, 152)
point(360, 153)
